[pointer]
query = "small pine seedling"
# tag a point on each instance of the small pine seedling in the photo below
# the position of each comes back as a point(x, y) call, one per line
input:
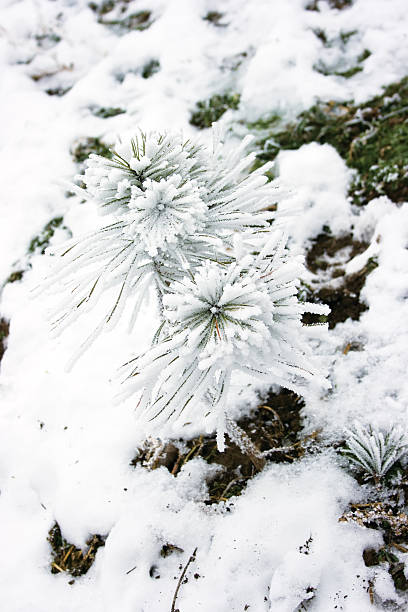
point(375, 451)
point(192, 226)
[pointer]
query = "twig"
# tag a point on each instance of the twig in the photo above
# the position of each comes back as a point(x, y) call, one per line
point(190, 453)
point(71, 548)
point(239, 437)
point(88, 552)
point(183, 573)
point(227, 488)
point(177, 464)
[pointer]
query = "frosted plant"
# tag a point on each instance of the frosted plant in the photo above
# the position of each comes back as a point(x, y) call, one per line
point(374, 451)
point(173, 205)
point(165, 212)
point(194, 224)
point(236, 198)
point(152, 156)
point(151, 245)
point(229, 318)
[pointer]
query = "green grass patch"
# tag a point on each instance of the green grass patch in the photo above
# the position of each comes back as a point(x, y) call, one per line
point(4, 332)
point(84, 147)
point(150, 69)
point(372, 138)
point(209, 111)
point(105, 112)
point(40, 242)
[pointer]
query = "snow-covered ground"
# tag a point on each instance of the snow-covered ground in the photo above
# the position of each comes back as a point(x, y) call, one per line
point(66, 446)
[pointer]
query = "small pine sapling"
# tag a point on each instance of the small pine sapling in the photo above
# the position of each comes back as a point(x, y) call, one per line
point(374, 451)
point(194, 224)
point(240, 317)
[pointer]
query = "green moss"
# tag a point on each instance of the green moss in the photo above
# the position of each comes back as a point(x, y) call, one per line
point(209, 111)
point(214, 17)
point(348, 72)
point(4, 328)
point(83, 148)
point(371, 137)
point(4, 332)
point(335, 4)
point(47, 40)
point(136, 21)
point(383, 178)
point(41, 241)
point(102, 9)
point(346, 35)
point(57, 91)
point(265, 123)
point(15, 276)
point(107, 112)
point(364, 55)
point(150, 68)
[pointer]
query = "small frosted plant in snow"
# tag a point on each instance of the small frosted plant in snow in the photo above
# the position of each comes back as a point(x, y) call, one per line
point(165, 212)
point(172, 205)
point(196, 226)
point(155, 156)
point(242, 317)
point(374, 451)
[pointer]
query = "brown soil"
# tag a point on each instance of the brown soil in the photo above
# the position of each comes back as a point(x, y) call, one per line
point(67, 558)
point(4, 332)
point(389, 518)
point(341, 292)
point(273, 425)
point(327, 246)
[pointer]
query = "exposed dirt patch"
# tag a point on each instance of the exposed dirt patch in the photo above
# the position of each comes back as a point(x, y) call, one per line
point(68, 558)
point(386, 554)
point(271, 434)
point(344, 301)
point(341, 292)
point(387, 517)
point(4, 332)
point(326, 246)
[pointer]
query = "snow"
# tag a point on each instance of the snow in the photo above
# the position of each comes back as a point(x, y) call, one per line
point(320, 196)
point(66, 444)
